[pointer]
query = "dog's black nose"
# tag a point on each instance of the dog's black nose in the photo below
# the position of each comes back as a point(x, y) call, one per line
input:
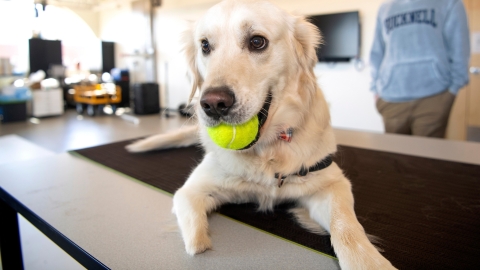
point(217, 101)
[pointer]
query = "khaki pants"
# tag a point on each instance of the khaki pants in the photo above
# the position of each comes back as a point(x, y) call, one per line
point(423, 117)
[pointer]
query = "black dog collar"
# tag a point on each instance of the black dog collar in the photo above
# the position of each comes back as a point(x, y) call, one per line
point(324, 163)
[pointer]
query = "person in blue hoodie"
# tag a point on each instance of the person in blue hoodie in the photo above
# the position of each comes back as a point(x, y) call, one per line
point(419, 61)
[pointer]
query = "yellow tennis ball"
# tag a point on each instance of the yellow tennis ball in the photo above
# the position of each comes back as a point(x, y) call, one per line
point(234, 137)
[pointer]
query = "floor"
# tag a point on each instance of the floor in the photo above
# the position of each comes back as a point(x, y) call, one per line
point(47, 136)
point(72, 131)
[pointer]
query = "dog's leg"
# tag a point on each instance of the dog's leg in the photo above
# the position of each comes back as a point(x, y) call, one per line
point(192, 203)
point(332, 207)
point(182, 137)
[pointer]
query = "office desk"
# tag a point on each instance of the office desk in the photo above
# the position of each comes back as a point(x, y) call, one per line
point(107, 220)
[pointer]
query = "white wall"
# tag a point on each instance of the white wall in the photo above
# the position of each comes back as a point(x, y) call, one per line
point(115, 26)
point(128, 28)
point(15, 30)
point(75, 28)
point(352, 105)
point(92, 19)
point(346, 89)
point(80, 44)
point(170, 24)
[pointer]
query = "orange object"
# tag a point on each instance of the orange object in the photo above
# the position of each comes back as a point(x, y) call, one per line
point(98, 94)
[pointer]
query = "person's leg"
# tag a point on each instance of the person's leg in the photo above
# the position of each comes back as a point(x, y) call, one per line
point(430, 115)
point(396, 116)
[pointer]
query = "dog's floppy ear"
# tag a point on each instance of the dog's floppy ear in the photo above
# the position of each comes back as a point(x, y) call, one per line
point(190, 54)
point(307, 39)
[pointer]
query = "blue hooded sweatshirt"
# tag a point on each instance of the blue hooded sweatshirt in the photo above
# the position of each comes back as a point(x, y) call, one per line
point(421, 48)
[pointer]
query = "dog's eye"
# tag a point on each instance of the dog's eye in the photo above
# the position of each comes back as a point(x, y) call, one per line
point(205, 46)
point(258, 43)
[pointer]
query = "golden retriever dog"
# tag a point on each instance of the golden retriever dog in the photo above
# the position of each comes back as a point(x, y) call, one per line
point(252, 58)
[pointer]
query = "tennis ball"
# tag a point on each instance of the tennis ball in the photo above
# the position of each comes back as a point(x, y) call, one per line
point(234, 137)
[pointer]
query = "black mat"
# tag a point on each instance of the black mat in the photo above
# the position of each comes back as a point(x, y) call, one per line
point(426, 211)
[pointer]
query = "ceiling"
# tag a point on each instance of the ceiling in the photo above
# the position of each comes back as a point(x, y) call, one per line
point(94, 5)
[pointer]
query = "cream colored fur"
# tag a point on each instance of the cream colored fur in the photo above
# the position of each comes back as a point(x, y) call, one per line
point(285, 69)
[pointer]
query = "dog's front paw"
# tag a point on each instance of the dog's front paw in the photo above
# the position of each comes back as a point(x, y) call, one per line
point(198, 245)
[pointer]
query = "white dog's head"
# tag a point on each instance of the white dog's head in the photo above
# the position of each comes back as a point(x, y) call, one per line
point(243, 55)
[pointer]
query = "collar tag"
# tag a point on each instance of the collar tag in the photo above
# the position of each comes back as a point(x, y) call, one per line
point(286, 135)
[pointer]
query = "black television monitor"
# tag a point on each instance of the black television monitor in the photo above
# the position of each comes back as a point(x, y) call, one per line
point(341, 36)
